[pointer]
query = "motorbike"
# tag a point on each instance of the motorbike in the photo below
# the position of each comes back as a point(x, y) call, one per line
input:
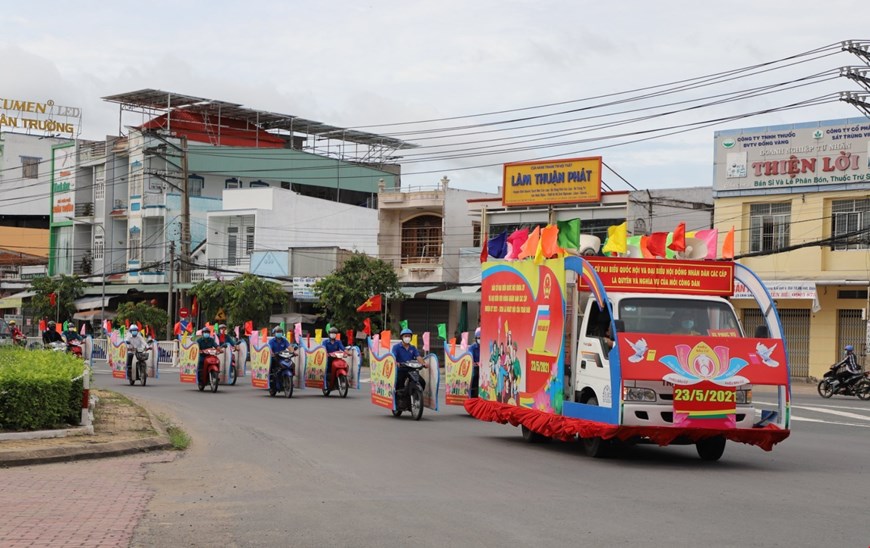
point(281, 379)
point(211, 370)
point(475, 379)
point(57, 346)
point(18, 339)
point(337, 375)
point(140, 358)
point(410, 396)
point(857, 386)
point(76, 349)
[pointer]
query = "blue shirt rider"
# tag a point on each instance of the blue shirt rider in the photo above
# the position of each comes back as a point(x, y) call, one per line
point(475, 357)
point(205, 342)
point(277, 344)
point(405, 352)
point(332, 344)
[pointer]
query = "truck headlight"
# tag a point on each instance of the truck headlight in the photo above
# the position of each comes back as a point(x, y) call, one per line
point(638, 394)
point(744, 396)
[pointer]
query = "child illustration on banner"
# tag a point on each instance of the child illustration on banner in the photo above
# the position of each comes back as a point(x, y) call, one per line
point(188, 356)
point(260, 359)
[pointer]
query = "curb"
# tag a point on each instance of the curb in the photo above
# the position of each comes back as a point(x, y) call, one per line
point(81, 452)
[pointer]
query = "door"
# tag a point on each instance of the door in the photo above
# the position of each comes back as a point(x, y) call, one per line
point(796, 328)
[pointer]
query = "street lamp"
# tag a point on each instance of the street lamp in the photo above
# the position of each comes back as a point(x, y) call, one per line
point(102, 269)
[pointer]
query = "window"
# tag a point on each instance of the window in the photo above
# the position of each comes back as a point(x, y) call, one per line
point(850, 221)
point(100, 183)
point(98, 247)
point(475, 234)
point(666, 316)
point(285, 185)
point(259, 184)
point(852, 294)
point(195, 184)
point(232, 245)
point(769, 226)
point(232, 183)
point(421, 239)
point(134, 244)
point(29, 167)
point(249, 240)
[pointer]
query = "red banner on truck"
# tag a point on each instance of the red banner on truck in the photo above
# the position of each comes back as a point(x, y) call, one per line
point(665, 276)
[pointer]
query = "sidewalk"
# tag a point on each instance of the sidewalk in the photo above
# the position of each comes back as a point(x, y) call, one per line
point(120, 428)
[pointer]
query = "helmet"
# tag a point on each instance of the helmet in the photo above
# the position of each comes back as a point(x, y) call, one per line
point(277, 329)
point(406, 331)
point(477, 333)
point(134, 329)
point(11, 322)
point(221, 326)
point(333, 330)
point(51, 323)
point(849, 348)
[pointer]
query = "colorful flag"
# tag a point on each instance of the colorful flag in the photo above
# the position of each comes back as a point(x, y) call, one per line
point(426, 342)
point(569, 234)
point(516, 241)
point(403, 324)
point(656, 244)
point(414, 340)
point(254, 337)
point(42, 326)
point(385, 339)
point(318, 336)
point(617, 236)
point(367, 327)
point(463, 342)
point(350, 337)
point(66, 326)
point(442, 331)
point(376, 342)
point(139, 326)
point(484, 251)
point(530, 246)
point(127, 324)
point(453, 345)
point(372, 304)
point(497, 246)
point(550, 242)
point(194, 307)
point(297, 330)
point(249, 327)
point(264, 333)
point(678, 242)
point(728, 245)
point(710, 237)
point(82, 331)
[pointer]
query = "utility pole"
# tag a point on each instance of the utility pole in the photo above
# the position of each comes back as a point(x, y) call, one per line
point(184, 271)
point(169, 293)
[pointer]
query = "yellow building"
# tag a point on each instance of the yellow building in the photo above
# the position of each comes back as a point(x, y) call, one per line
point(798, 197)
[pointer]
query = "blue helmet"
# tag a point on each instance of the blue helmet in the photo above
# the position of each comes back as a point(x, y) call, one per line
point(406, 331)
point(477, 333)
point(849, 348)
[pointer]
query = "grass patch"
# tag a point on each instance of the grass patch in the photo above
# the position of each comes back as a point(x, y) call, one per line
point(179, 439)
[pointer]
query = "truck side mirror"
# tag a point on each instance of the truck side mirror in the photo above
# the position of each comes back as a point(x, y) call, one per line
point(761, 332)
point(620, 326)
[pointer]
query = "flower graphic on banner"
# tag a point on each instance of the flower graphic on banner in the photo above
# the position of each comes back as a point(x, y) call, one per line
point(700, 363)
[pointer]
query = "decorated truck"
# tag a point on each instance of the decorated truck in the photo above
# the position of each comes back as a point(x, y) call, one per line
point(657, 355)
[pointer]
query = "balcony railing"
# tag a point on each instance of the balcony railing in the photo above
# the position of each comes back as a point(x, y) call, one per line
point(230, 262)
point(84, 209)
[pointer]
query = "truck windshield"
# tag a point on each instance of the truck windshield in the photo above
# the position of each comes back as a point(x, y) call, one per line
point(679, 317)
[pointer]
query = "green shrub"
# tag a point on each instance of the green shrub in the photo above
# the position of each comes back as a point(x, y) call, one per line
point(39, 389)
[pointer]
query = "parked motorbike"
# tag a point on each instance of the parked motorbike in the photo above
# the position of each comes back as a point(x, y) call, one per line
point(141, 370)
point(856, 386)
point(281, 379)
point(76, 349)
point(410, 396)
point(211, 370)
point(337, 375)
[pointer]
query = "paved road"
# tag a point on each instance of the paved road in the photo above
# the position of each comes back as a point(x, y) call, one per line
point(313, 471)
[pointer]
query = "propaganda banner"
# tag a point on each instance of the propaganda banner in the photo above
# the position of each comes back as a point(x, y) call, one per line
point(523, 321)
point(457, 376)
point(117, 356)
point(260, 357)
point(665, 276)
point(315, 366)
point(354, 365)
point(188, 356)
point(432, 376)
point(383, 377)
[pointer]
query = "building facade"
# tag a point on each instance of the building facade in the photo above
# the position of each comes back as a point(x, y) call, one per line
point(798, 197)
point(25, 178)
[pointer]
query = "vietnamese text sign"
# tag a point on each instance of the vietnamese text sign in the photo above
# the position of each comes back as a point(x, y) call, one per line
point(552, 182)
point(45, 116)
point(260, 360)
point(665, 276)
point(781, 290)
point(458, 371)
point(383, 378)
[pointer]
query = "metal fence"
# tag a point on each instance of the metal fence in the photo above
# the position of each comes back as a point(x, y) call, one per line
point(167, 351)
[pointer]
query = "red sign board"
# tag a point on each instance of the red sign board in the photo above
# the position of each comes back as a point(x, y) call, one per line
point(183, 312)
point(665, 276)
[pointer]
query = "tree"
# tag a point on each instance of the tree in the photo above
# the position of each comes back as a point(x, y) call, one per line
point(66, 290)
point(247, 297)
point(343, 291)
point(146, 314)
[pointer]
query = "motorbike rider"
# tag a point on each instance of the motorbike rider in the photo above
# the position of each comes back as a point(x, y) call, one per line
point(277, 344)
point(848, 369)
point(332, 344)
point(16, 334)
point(405, 352)
point(475, 357)
point(50, 334)
point(224, 337)
point(134, 343)
point(70, 334)
point(205, 342)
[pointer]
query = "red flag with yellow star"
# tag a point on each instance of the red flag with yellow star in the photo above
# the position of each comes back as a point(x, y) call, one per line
point(372, 304)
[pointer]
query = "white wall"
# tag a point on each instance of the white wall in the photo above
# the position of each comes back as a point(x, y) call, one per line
point(25, 196)
point(457, 228)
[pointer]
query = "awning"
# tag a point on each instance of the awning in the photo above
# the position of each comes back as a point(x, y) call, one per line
point(469, 294)
point(91, 303)
point(15, 300)
point(90, 315)
point(123, 289)
point(413, 291)
point(291, 318)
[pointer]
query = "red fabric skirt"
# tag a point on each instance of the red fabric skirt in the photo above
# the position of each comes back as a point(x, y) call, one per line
point(566, 428)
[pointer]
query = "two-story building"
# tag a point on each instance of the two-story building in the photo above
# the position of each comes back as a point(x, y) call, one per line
point(798, 197)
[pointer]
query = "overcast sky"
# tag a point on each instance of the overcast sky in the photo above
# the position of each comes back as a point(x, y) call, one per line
point(355, 64)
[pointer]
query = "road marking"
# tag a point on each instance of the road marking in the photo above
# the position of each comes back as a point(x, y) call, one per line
point(802, 419)
point(844, 414)
point(774, 405)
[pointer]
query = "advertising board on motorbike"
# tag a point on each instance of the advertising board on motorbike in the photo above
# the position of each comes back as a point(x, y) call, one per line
point(117, 358)
point(188, 356)
point(315, 366)
point(383, 374)
point(458, 372)
point(260, 358)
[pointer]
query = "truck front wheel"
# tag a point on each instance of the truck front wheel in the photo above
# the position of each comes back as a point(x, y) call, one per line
point(711, 449)
point(596, 447)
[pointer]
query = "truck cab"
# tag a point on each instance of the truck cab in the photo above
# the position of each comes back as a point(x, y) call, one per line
point(646, 403)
